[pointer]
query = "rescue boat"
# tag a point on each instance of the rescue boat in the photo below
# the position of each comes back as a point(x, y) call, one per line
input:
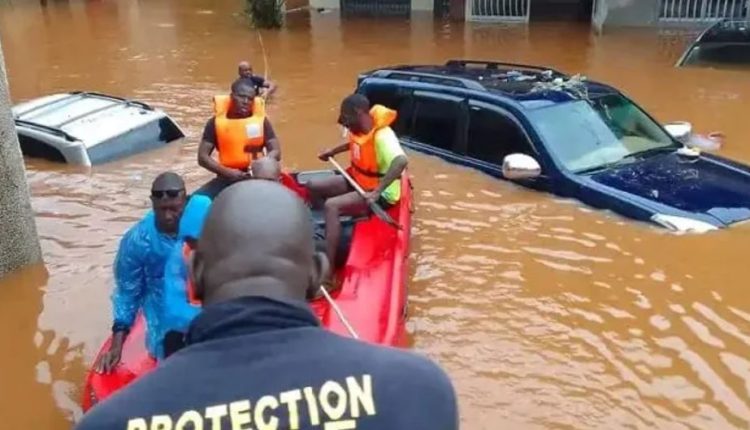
point(371, 294)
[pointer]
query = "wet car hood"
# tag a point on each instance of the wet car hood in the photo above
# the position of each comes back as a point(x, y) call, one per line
point(700, 185)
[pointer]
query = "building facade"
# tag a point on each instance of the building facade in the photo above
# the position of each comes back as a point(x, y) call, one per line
point(599, 12)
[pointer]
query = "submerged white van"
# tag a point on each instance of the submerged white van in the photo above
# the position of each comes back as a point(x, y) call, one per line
point(86, 128)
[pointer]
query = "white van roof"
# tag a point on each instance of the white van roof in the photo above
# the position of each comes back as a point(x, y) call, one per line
point(85, 116)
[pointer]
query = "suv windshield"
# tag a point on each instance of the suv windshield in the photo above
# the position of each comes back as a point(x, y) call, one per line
point(587, 136)
point(729, 54)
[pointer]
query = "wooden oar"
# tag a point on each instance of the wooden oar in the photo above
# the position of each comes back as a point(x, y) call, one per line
point(338, 311)
point(380, 212)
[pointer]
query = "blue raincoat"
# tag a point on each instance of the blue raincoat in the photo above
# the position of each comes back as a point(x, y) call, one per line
point(139, 275)
point(178, 311)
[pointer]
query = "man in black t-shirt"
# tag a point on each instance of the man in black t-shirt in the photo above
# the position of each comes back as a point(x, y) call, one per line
point(264, 87)
point(240, 107)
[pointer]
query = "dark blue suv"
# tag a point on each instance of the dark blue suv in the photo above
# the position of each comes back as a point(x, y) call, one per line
point(565, 135)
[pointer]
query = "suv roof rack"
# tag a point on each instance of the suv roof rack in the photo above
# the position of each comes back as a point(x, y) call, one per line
point(68, 97)
point(424, 77)
point(82, 94)
point(46, 128)
point(111, 97)
point(495, 65)
point(103, 108)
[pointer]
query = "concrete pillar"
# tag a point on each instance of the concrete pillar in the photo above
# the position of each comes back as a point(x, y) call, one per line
point(625, 13)
point(19, 244)
point(457, 10)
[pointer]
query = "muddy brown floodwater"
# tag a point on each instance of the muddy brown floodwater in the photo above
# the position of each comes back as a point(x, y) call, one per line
point(546, 314)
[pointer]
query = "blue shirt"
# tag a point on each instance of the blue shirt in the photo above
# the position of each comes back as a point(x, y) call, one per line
point(178, 311)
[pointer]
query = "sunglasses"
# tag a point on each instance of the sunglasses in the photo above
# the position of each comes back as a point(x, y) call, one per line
point(161, 194)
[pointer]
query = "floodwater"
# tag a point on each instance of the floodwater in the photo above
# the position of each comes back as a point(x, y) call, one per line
point(546, 314)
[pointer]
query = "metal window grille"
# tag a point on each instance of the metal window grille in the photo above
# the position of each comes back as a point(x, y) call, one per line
point(702, 10)
point(498, 10)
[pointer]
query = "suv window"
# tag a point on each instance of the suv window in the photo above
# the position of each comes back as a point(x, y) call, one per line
point(36, 148)
point(394, 98)
point(493, 135)
point(436, 121)
point(736, 54)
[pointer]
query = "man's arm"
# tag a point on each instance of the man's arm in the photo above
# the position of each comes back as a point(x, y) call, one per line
point(130, 279)
point(273, 147)
point(206, 148)
point(394, 172)
point(389, 153)
point(334, 151)
point(270, 86)
point(127, 297)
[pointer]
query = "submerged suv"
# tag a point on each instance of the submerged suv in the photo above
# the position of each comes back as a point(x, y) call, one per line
point(565, 135)
point(724, 44)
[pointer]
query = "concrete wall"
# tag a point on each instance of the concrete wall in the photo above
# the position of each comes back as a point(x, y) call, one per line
point(19, 244)
point(625, 13)
point(422, 5)
point(327, 4)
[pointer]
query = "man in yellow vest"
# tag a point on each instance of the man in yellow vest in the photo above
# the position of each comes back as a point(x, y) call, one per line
point(377, 161)
point(240, 132)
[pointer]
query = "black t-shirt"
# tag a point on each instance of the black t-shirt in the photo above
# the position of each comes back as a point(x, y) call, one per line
point(258, 82)
point(209, 131)
point(255, 359)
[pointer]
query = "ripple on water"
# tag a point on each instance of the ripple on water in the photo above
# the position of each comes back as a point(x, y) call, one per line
point(543, 335)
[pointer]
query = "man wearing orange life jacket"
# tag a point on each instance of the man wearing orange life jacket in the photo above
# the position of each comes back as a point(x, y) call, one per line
point(240, 132)
point(377, 161)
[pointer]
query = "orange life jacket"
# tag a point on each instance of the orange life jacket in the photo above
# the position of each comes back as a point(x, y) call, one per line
point(364, 159)
point(241, 140)
point(189, 287)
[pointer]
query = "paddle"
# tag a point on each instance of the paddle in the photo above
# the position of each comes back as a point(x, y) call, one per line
point(380, 212)
point(340, 314)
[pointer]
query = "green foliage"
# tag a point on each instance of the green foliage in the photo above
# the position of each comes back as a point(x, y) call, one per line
point(265, 13)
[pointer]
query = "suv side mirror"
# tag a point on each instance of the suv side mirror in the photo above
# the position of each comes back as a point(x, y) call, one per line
point(680, 130)
point(520, 166)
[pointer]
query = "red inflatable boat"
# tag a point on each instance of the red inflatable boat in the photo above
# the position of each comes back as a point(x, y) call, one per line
point(372, 294)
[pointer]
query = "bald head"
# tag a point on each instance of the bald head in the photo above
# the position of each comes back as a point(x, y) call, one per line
point(168, 201)
point(168, 181)
point(257, 241)
point(266, 168)
point(244, 69)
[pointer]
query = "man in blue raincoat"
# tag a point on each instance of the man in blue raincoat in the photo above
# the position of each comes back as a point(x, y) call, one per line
point(139, 268)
